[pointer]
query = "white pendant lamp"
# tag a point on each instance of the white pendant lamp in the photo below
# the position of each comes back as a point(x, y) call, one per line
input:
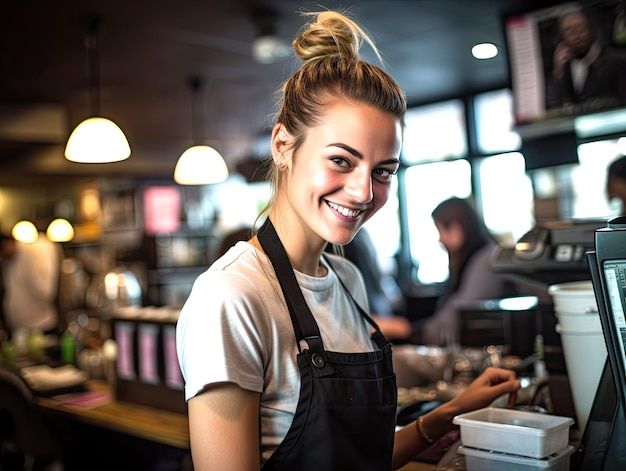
point(25, 231)
point(60, 230)
point(97, 139)
point(200, 164)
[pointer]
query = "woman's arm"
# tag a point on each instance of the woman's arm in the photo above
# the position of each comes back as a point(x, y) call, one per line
point(490, 385)
point(224, 429)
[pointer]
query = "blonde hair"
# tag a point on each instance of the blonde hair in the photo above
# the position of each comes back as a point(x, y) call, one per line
point(329, 47)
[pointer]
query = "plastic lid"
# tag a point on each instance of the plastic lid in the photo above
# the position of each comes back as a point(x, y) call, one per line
point(572, 288)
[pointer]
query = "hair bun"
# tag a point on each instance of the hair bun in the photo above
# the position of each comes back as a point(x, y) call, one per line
point(330, 34)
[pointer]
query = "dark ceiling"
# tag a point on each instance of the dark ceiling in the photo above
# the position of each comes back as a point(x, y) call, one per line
point(150, 48)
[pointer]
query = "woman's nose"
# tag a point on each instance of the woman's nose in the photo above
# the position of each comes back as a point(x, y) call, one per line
point(360, 187)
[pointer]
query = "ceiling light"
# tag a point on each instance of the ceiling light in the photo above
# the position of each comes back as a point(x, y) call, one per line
point(60, 230)
point(484, 51)
point(200, 164)
point(25, 231)
point(97, 139)
point(268, 47)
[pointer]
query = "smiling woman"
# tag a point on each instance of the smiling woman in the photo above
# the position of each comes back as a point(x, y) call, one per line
point(283, 366)
point(346, 164)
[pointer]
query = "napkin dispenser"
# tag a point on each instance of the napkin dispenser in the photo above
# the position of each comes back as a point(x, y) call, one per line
point(147, 370)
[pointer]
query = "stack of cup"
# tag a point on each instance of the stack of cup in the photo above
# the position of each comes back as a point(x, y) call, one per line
point(583, 343)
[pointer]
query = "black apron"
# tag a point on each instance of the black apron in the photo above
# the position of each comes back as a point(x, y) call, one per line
point(346, 414)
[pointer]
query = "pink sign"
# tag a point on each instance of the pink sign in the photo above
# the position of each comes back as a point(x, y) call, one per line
point(173, 376)
point(126, 358)
point(148, 366)
point(161, 209)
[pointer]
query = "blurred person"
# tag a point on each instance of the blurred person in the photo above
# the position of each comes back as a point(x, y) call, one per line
point(616, 184)
point(585, 69)
point(7, 250)
point(283, 367)
point(469, 244)
point(31, 278)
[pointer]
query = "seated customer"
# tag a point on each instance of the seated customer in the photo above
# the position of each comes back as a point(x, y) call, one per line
point(468, 243)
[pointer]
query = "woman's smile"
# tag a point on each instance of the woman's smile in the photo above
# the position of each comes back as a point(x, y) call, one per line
point(343, 211)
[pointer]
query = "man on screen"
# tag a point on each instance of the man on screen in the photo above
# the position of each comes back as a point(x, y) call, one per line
point(586, 71)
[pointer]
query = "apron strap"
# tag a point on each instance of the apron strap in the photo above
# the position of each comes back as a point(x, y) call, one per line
point(302, 319)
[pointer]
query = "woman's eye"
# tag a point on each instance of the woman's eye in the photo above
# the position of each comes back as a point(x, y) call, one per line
point(384, 173)
point(340, 161)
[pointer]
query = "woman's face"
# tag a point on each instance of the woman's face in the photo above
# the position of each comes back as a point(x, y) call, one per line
point(616, 188)
point(450, 236)
point(341, 174)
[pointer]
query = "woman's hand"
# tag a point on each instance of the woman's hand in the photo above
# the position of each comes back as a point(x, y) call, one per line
point(490, 385)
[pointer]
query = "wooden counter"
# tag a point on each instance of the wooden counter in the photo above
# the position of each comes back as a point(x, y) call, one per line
point(146, 423)
point(156, 425)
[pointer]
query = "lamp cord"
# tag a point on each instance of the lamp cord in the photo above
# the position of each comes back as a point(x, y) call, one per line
point(195, 84)
point(92, 51)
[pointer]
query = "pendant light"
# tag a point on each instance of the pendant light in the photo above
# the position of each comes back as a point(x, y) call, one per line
point(200, 164)
point(25, 231)
point(60, 230)
point(268, 47)
point(97, 139)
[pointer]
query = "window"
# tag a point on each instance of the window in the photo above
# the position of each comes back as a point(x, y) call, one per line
point(589, 198)
point(504, 191)
point(494, 122)
point(384, 229)
point(505, 196)
point(435, 132)
point(427, 185)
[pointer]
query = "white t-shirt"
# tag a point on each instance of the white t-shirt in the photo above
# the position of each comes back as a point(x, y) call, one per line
point(235, 327)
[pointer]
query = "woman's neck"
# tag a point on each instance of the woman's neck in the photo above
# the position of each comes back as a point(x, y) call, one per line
point(303, 248)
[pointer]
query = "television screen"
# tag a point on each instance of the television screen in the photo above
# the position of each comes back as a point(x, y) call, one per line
point(567, 60)
point(553, 149)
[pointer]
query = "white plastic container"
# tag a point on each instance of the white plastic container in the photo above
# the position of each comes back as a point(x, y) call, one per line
point(516, 432)
point(583, 342)
point(481, 460)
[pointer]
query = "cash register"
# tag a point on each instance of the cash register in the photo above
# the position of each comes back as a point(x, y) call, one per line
point(551, 253)
point(602, 445)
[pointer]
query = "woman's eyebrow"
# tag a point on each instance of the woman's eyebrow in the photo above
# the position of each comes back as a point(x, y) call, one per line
point(358, 155)
point(347, 148)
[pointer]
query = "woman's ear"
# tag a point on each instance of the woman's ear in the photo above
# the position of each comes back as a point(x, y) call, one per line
point(281, 144)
